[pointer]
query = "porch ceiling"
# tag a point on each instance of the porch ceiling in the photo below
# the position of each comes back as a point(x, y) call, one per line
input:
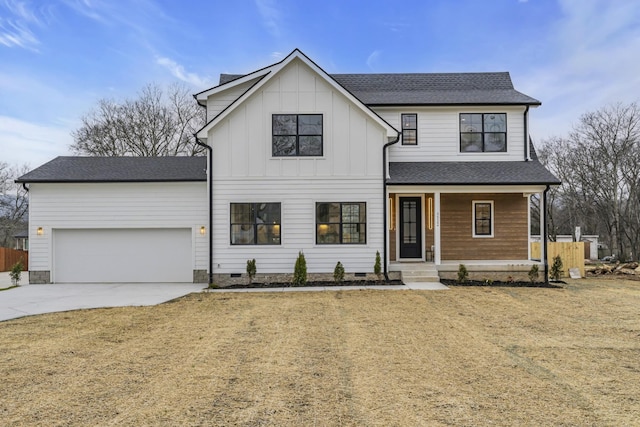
point(470, 173)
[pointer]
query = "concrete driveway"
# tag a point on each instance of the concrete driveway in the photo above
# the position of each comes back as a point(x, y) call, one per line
point(27, 300)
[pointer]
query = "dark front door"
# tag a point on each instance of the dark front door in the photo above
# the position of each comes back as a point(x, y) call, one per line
point(410, 227)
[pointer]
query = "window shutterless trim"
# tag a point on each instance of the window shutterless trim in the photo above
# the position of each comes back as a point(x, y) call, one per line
point(483, 133)
point(298, 135)
point(491, 219)
point(341, 223)
point(402, 116)
point(254, 224)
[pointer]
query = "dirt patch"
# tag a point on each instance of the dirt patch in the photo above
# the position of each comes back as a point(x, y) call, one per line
point(510, 284)
point(465, 356)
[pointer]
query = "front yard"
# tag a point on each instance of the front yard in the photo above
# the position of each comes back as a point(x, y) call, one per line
point(466, 356)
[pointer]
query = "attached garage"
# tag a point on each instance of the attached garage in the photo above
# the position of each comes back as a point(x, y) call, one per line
point(122, 255)
point(118, 220)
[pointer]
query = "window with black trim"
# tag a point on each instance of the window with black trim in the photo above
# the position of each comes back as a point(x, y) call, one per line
point(297, 135)
point(255, 223)
point(409, 129)
point(483, 132)
point(483, 219)
point(341, 223)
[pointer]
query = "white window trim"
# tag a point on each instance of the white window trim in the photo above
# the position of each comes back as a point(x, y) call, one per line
point(473, 220)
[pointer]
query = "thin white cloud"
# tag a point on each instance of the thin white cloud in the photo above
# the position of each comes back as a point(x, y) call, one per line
point(89, 8)
point(35, 142)
point(180, 73)
point(373, 58)
point(277, 56)
point(593, 63)
point(15, 25)
point(271, 16)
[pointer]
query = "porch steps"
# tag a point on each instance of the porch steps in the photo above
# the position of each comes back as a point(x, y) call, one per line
point(417, 272)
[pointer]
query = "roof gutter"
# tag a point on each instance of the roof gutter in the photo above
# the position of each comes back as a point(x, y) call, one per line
point(209, 184)
point(384, 202)
point(526, 133)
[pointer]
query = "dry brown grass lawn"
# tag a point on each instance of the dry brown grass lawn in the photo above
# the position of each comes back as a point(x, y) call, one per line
point(467, 356)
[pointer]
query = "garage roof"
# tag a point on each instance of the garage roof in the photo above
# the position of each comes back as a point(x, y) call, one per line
point(119, 169)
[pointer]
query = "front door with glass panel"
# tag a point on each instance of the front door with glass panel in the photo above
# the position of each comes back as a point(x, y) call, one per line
point(410, 227)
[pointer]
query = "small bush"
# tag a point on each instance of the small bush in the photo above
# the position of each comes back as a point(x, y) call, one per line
point(16, 272)
point(377, 267)
point(338, 273)
point(534, 273)
point(463, 274)
point(556, 268)
point(300, 271)
point(251, 269)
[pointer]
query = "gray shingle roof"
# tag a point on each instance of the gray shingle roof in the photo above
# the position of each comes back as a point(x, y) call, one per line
point(470, 173)
point(119, 169)
point(428, 88)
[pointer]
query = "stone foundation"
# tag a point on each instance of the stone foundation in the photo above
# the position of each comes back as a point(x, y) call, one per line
point(200, 276)
point(224, 280)
point(39, 277)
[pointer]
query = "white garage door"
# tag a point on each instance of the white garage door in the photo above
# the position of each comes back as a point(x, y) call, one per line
point(122, 255)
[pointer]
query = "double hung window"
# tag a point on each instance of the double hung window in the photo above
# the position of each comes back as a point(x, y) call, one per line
point(297, 135)
point(483, 133)
point(341, 223)
point(255, 223)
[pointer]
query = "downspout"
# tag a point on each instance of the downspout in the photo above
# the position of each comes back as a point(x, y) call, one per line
point(545, 234)
point(210, 184)
point(384, 202)
point(526, 134)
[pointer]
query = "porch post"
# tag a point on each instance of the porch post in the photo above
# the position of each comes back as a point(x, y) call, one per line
point(436, 234)
point(529, 226)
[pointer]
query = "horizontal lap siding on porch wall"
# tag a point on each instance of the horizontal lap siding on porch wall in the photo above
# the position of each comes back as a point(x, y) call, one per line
point(510, 241)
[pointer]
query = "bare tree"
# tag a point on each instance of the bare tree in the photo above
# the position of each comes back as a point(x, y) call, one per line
point(157, 123)
point(14, 203)
point(598, 165)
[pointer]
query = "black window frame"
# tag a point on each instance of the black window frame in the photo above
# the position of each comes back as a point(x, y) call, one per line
point(483, 133)
point(255, 224)
point(341, 224)
point(297, 135)
point(477, 221)
point(403, 128)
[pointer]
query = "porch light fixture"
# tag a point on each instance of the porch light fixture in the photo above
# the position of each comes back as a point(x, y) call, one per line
point(203, 230)
point(40, 231)
point(392, 214)
point(430, 213)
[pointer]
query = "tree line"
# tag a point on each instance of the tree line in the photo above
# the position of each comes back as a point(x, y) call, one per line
point(597, 163)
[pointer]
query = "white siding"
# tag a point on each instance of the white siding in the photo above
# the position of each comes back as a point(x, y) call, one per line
point(244, 170)
point(439, 134)
point(298, 200)
point(117, 206)
point(218, 102)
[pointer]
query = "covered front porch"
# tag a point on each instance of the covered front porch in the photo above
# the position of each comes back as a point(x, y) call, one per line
point(433, 229)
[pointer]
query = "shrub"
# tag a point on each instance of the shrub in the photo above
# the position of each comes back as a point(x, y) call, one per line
point(463, 274)
point(251, 269)
point(338, 273)
point(534, 273)
point(16, 272)
point(300, 271)
point(377, 267)
point(556, 268)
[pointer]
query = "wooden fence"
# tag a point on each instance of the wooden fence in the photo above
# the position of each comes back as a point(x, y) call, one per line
point(8, 257)
point(571, 253)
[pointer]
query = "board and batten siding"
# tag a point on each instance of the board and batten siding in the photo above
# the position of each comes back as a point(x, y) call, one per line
point(510, 223)
point(298, 228)
point(117, 206)
point(244, 171)
point(439, 134)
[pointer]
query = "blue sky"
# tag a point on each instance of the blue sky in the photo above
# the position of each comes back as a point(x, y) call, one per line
point(58, 57)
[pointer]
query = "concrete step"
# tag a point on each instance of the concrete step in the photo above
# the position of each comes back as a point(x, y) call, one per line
point(422, 278)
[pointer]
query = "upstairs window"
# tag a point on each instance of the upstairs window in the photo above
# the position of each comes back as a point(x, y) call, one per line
point(341, 223)
point(297, 135)
point(255, 223)
point(483, 219)
point(409, 129)
point(483, 133)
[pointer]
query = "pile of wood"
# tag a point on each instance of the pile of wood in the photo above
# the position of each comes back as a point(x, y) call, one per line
point(628, 268)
